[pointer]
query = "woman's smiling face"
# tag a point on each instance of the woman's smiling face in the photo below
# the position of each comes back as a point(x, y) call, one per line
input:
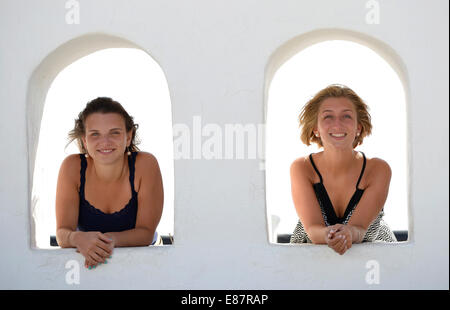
point(106, 138)
point(337, 123)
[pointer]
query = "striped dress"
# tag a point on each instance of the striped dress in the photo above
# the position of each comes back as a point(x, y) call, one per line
point(378, 230)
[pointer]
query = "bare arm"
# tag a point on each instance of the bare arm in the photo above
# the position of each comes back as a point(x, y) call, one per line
point(306, 203)
point(150, 205)
point(372, 201)
point(67, 201)
point(94, 246)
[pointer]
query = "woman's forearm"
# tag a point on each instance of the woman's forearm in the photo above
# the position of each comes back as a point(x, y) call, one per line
point(317, 234)
point(65, 238)
point(358, 233)
point(132, 237)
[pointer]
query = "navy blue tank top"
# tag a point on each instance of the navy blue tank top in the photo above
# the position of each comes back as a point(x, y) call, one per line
point(93, 219)
point(324, 200)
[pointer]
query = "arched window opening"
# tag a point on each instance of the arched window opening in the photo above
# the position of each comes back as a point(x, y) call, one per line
point(129, 76)
point(298, 80)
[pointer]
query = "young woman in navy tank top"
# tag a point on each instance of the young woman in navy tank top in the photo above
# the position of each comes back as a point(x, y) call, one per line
point(338, 193)
point(110, 195)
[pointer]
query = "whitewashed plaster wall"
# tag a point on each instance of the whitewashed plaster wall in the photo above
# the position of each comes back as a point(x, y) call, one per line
point(218, 57)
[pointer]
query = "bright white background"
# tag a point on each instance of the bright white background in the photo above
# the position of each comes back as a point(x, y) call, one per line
point(129, 76)
point(297, 81)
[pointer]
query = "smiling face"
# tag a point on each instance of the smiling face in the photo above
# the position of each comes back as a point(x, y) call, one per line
point(106, 138)
point(337, 123)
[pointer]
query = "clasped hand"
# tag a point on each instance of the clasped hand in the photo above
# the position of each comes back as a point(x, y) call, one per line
point(339, 238)
point(95, 246)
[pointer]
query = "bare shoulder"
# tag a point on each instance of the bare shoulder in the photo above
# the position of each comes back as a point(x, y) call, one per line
point(69, 172)
point(146, 158)
point(378, 164)
point(378, 169)
point(71, 165)
point(147, 172)
point(300, 163)
point(146, 162)
point(301, 167)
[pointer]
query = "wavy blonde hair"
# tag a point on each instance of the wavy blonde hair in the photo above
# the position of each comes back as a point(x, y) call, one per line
point(309, 114)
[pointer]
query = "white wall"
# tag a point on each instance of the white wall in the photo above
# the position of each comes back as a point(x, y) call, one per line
point(218, 57)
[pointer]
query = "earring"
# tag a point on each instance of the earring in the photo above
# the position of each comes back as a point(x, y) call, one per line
point(357, 134)
point(317, 134)
point(86, 155)
point(128, 153)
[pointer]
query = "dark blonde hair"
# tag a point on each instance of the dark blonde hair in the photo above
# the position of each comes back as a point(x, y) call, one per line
point(102, 105)
point(309, 114)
